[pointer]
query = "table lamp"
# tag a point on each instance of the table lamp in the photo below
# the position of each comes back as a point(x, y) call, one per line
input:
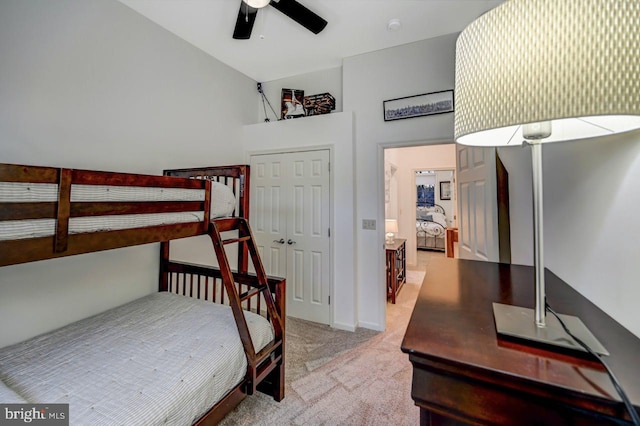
point(538, 71)
point(390, 227)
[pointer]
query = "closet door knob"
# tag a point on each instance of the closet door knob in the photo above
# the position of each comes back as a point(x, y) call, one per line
point(290, 242)
point(280, 241)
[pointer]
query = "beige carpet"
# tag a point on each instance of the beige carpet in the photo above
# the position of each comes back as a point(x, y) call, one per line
point(336, 377)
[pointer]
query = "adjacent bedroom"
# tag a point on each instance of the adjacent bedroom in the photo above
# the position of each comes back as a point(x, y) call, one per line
point(420, 207)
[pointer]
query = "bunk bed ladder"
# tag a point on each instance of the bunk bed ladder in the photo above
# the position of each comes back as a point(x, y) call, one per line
point(268, 364)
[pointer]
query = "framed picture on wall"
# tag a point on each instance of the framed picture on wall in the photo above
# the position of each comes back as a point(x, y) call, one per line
point(418, 105)
point(445, 190)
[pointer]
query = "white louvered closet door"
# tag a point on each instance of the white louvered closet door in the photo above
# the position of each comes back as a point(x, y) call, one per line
point(290, 206)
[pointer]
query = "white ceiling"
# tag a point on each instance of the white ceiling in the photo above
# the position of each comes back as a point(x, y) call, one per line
point(286, 48)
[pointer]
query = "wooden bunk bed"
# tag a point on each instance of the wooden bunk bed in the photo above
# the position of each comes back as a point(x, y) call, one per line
point(48, 212)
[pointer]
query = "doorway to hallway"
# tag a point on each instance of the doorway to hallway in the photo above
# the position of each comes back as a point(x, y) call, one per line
point(401, 203)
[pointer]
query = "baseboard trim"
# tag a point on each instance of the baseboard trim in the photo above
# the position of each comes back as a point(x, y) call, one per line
point(343, 326)
point(371, 326)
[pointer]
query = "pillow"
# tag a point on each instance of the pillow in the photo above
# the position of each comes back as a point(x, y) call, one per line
point(223, 202)
point(8, 396)
point(439, 218)
point(422, 212)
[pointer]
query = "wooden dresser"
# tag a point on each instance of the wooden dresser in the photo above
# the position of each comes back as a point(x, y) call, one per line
point(464, 373)
point(396, 261)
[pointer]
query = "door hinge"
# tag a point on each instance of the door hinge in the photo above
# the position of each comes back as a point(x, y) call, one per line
point(329, 166)
point(329, 300)
point(329, 232)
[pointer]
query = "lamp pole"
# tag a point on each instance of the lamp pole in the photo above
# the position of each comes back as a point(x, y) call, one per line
point(538, 232)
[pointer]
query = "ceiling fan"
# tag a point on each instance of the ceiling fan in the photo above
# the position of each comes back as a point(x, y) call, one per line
point(291, 8)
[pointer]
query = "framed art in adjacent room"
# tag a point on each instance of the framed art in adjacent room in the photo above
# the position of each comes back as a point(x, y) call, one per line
point(445, 190)
point(418, 105)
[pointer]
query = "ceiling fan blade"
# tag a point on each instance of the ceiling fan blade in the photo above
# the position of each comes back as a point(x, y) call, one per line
point(244, 23)
point(300, 14)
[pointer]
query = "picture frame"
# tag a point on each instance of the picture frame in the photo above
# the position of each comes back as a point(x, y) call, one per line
point(322, 103)
point(418, 105)
point(292, 104)
point(445, 190)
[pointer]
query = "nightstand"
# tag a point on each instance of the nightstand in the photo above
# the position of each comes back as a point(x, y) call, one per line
point(396, 268)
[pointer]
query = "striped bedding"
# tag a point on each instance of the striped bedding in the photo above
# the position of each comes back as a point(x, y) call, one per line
point(161, 359)
point(223, 203)
point(20, 229)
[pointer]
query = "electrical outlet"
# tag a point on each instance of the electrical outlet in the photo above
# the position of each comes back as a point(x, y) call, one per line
point(369, 224)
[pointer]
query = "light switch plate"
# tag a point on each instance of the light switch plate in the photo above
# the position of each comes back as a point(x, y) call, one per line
point(369, 224)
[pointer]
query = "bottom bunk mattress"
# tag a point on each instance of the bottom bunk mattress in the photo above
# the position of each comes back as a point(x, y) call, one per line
point(161, 359)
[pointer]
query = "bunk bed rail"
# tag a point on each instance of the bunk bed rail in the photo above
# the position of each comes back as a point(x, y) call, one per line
point(205, 283)
point(236, 177)
point(52, 209)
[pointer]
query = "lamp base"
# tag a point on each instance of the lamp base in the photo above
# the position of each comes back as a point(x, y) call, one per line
point(519, 322)
point(390, 238)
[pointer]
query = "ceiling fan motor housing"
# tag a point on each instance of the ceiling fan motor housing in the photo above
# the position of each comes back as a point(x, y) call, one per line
point(291, 8)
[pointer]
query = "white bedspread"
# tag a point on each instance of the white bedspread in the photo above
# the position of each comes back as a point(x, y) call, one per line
point(162, 359)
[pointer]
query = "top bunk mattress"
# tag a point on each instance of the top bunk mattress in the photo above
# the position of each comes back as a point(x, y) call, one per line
point(161, 359)
point(223, 204)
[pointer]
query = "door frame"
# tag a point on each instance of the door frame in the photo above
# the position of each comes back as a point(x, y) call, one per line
point(382, 288)
point(332, 280)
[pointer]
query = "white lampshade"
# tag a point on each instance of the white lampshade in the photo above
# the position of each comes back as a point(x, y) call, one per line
point(574, 63)
point(547, 71)
point(390, 225)
point(257, 4)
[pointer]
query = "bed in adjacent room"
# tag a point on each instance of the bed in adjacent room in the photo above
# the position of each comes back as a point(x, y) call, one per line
point(431, 227)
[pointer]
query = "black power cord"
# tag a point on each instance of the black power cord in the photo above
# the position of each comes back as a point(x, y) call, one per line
point(616, 384)
point(264, 107)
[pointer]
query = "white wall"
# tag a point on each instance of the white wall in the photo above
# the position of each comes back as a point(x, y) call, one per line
point(449, 206)
point(336, 132)
point(368, 80)
point(92, 84)
point(408, 161)
point(390, 187)
point(426, 179)
point(325, 81)
point(591, 229)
